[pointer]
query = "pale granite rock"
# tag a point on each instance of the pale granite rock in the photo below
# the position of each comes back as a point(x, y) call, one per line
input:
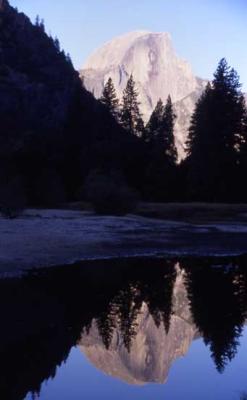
point(157, 70)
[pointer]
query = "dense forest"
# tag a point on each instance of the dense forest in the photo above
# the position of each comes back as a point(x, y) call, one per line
point(60, 144)
point(53, 132)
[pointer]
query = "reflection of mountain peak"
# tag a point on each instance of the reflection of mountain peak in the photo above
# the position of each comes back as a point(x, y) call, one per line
point(152, 350)
point(130, 307)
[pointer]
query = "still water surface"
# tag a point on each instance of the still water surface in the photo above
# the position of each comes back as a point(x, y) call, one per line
point(127, 329)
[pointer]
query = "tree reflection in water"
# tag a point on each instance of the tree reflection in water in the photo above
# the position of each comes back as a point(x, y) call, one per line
point(217, 297)
point(44, 314)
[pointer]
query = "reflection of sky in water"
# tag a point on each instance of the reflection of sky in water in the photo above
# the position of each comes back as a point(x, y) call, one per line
point(192, 377)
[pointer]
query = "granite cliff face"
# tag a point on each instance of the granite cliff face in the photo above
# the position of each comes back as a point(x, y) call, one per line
point(152, 350)
point(157, 70)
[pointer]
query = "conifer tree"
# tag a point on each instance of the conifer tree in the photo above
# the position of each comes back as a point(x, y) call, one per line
point(160, 130)
point(68, 59)
point(130, 112)
point(167, 138)
point(161, 163)
point(155, 122)
point(109, 98)
point(140, 128)
point(57, 44)
point(242, 153)
point(37, 20)
point(216, 136)
point(40, 23)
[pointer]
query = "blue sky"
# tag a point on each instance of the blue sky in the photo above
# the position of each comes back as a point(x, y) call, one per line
point(203, 31)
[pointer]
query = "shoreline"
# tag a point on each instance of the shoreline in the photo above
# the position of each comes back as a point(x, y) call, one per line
point(48, 238)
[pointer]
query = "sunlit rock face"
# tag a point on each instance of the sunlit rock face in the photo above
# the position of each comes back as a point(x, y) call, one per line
point(157, 70)
point(152, 349)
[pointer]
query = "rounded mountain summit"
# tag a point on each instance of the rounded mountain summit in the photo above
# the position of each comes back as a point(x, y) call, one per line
point(157, 71)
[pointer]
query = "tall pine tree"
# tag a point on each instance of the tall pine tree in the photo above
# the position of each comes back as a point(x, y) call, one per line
point(109, 98)
point(131, 118)
point(160, 130)
point(242, 150)
point(216, 137)
point(161, 163)
point(168, 139)
point(155, 123)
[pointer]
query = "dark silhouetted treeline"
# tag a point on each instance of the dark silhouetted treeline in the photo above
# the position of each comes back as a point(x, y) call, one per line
point(217, 140)
point(215, 166)
point(54, 134)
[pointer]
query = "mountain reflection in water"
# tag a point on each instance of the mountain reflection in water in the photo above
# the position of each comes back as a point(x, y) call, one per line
point(132, 318)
